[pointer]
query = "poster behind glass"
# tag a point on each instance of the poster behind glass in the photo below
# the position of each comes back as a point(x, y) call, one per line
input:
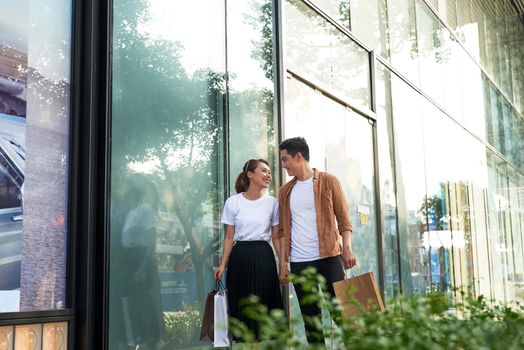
point(34, 138)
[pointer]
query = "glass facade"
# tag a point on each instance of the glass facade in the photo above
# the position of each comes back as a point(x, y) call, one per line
point(188, 109)
point(318, 49)
point(417, 106)
point(449, 121)
point(445, 48)
point(342, 144)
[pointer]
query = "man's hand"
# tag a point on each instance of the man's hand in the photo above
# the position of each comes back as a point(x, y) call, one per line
point(348, 258)
point(283, 273)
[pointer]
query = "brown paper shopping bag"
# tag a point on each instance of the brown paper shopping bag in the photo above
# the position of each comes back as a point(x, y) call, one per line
point(208, 320)
point(358, 293)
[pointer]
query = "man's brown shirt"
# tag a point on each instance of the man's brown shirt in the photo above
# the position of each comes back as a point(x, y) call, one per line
point(331, 209)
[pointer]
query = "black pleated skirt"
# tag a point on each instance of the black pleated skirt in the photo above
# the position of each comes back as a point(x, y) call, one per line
point(252, 270)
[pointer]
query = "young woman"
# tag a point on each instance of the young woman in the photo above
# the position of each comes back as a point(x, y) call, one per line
point(251, 220)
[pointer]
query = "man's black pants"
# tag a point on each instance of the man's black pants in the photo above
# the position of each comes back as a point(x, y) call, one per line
point(332, 269)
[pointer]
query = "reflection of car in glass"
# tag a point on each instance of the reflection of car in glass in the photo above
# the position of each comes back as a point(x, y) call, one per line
point(21, 197)
point(18, 147)
point(12, 165)
point(12, 158)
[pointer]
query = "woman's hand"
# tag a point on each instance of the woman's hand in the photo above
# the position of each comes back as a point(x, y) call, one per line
point(283, 273)
point(218, 272)
point(139, 275)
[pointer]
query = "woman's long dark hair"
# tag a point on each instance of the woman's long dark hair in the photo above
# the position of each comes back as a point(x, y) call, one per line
point(242, 182)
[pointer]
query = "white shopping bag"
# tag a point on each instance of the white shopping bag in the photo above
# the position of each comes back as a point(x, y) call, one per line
point(221, 333)
point(127, 322)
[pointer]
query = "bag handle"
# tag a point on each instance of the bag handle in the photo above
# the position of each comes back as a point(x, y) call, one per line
point(218, 286)
point(347, 272)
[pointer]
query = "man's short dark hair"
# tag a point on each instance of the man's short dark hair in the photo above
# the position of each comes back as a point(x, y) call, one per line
point(295, 145)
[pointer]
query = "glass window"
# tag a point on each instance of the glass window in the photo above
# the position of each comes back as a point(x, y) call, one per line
point(473, 102)
point(252, 126)
point(500, 230)
point(319, 50)
point(490, 49)
point(517, 140)
point(366, 19)
point(341, 143)
point(506, 123)
point(515, 38)
point(411, 187)
point(450, 56)
point(432, 52)
point(403, 38)
point(467, 27)
point(167, 169)
point(478, 214)
point(387, 181)
point(454, 177)
point(517, 230)
point(447, 10)
point(505, 80)
point(505, 228)
point(520, 217)
point(338, 10)
point(440, 217)
point(497, 119)
point(35, 80)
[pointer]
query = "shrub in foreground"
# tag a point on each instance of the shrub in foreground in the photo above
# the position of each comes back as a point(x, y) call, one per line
point(433, 322)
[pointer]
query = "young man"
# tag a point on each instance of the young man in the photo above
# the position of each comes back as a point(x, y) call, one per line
point(313, 215)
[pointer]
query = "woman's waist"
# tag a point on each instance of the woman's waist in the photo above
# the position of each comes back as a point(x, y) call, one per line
point(251, 242)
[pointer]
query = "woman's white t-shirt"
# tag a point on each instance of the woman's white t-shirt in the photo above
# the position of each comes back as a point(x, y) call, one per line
point(138, 221)
point(252, 219)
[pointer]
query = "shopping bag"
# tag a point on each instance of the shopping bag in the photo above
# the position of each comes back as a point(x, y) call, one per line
point(128, 326)
point(206, 330)
point(221, 318)
point(357, 294)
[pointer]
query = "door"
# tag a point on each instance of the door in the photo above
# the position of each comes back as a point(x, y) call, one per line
point(340, 142)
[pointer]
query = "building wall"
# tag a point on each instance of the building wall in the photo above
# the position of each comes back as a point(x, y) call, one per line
point(450, 138)
point(417, 106)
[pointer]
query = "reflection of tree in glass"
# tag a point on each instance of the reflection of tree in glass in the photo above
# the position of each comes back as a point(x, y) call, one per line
point(262, 50)
point(251, 109)
point(317, 48)
point(432, 206)
point(165, 117)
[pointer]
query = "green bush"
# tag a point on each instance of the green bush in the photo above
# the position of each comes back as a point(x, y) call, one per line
point(433, 322)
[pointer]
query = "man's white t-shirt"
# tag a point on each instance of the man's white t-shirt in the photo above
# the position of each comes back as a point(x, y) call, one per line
point(304, 232)
point(252, 219)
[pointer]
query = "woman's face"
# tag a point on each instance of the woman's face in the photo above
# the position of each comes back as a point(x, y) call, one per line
point(261, 176)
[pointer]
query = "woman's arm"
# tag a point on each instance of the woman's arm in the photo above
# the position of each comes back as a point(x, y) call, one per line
point(228, 246)
point(278, 243)
point(141, 272)
point(275, 238)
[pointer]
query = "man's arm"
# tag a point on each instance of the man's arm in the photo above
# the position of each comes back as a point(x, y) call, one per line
point(341, 211)
point(283, 264)
point(280, 221)
point(348, 258)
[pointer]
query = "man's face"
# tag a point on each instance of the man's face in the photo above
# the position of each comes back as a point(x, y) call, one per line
point(289, 163)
